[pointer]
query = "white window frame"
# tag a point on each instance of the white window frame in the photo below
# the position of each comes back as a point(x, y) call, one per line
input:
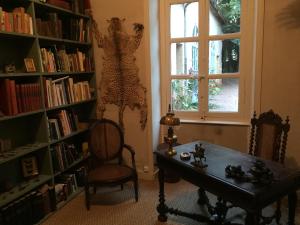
point(246, 67)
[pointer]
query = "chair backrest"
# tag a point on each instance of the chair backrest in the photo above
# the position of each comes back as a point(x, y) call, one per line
point(269, 136)
point(106, 140)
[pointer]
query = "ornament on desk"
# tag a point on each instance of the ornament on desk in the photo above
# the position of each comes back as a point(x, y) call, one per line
point(258, 173)
point(185, 156)
point(198, 156)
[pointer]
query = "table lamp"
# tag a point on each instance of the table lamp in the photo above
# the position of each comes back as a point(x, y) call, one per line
point(170, 120)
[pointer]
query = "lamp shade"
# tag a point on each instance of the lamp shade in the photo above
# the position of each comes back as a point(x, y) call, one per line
point(170, 119)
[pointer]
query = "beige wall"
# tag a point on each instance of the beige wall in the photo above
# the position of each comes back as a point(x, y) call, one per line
point(280, 80)
point(133, 12)
point(227, 135)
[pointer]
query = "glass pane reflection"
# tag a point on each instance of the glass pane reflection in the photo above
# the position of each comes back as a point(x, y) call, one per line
point(184, 58)
point(224, 56)
point(223, 95)
point(184, 20)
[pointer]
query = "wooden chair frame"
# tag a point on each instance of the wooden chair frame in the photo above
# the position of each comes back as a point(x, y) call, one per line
point(94, 162)
point(281, 134)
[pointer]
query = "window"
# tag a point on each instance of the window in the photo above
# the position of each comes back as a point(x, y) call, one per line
point(206, 49)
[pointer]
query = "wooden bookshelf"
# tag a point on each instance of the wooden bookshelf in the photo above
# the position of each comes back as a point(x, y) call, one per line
point(24, 108)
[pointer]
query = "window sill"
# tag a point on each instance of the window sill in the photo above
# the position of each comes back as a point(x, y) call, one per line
point(215, 122)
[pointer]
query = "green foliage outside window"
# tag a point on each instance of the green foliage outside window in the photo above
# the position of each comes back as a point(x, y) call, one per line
point(185, 94)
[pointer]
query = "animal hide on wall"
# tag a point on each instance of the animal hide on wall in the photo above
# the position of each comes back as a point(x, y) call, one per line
point(120, 84)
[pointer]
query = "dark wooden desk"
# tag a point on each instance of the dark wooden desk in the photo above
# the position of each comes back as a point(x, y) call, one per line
point(245, 195)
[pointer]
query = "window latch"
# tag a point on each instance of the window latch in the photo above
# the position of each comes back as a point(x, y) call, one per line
point(200, 77)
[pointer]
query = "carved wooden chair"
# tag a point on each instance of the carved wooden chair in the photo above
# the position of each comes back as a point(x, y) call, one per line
point(268, 136)
point(268, 139)
point(106, 165)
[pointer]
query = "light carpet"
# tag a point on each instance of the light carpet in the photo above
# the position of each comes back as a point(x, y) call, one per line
point(115, 207)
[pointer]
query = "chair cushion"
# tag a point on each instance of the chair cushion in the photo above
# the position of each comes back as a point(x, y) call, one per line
point(109, 173)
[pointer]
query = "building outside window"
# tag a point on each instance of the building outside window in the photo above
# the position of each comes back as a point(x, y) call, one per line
point(204, 48)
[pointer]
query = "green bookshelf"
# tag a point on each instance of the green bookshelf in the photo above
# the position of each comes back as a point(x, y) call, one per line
point(30, 98)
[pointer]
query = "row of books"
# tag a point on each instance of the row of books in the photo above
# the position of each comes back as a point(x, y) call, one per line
point(71, 28)
point(58, 60)
point(77, 6)
point(66, 185)
point(51, 27)
point(65, 4)
point(65, 91)
point(30, 208)
point(34, 206)
point(63, 156)
point(62, 123)
point(16, 21)
point(19, 98)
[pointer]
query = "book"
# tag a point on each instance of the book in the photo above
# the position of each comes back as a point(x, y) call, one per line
point(37, 202)
point(6, 100)
point(44, 190)
point(13, 95)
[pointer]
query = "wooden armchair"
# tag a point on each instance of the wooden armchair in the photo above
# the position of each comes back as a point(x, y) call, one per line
point(106, 165)
point(268, 139)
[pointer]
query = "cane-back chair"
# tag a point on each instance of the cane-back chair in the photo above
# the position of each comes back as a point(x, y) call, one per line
point(106, 166)
point(268, 140)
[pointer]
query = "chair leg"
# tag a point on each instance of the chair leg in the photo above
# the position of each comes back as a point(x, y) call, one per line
point(87, 196)
point(136, 189)
point(278, 212)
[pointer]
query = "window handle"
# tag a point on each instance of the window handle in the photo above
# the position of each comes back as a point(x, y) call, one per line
point(199, 77)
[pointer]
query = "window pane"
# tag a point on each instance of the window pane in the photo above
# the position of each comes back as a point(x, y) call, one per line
point(224, 56)
point(185, 94)
point(184, 58)
point(223, 95)
point(184, 20)
point(224, 16)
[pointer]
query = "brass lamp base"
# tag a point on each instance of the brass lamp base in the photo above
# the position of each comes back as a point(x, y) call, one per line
point(171, 151)
point(170, 141)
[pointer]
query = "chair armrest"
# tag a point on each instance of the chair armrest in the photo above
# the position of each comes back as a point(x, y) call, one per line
point(131, 150)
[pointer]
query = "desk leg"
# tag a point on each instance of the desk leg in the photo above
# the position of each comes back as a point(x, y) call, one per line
point(252, 219)
point(161, 208)
point(292, 198)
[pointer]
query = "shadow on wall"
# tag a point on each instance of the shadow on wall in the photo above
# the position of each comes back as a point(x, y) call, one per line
point(289, 17)
point(290, 162)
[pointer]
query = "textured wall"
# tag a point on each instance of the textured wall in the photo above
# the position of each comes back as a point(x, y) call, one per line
point(281, 67)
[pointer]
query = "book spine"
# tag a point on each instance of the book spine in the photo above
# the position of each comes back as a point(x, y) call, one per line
point(14, 103)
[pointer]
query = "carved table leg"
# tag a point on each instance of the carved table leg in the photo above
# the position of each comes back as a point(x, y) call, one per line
point(292, 198)
point(161, 208)
point(252, 219)
point(202, 196)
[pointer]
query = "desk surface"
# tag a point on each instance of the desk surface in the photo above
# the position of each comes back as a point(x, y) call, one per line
point(213, 178)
